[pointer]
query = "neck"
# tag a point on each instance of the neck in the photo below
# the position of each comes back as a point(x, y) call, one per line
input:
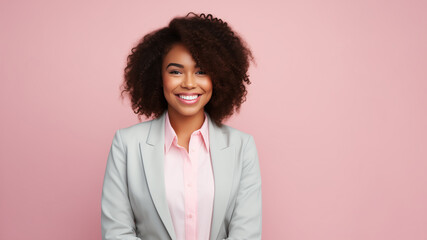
point(185, 125)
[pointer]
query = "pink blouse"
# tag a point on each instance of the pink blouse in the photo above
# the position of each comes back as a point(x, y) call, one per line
point(189, 183)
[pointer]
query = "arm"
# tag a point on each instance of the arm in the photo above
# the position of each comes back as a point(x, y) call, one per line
point(246, 221)
point(117, 220)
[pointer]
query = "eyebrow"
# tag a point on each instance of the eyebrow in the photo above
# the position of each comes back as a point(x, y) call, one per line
point(178, 65)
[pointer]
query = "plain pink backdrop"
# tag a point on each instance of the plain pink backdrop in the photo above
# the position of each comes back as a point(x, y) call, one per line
point(338, 109)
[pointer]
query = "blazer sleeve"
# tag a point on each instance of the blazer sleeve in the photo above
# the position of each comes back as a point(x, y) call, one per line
point(117, 220)
point(246, 220)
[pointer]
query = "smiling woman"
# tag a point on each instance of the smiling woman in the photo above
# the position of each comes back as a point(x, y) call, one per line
point(184, 175)
point(187, 89)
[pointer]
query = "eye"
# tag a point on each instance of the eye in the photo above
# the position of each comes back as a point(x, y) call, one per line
point(174, 72)
point(201, 72)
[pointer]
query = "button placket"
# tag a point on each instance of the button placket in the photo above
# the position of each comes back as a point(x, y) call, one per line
point(191, 182)
point(190, 224)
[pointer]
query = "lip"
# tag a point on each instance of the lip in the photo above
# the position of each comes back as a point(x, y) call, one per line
point(193, 101)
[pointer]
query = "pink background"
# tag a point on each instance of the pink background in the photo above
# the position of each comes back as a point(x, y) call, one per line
point(338, 109)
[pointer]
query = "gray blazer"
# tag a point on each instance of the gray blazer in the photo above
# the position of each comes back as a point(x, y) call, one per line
point(134, 205)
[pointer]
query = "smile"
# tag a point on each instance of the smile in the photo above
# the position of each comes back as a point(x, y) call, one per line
point(188, 99)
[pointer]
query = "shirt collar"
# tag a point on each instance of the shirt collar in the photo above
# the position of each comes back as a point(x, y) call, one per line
point(170, 135)
point(204, 130)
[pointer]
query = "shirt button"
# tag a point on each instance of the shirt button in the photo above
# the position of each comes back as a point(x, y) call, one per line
point(190, 216)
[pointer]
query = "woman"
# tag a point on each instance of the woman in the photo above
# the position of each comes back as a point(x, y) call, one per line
point(183, 174)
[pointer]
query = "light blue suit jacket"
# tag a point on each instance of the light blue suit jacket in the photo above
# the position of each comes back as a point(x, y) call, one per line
point(134, 204)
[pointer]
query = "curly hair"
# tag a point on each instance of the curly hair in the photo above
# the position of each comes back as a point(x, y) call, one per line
point(219, 51)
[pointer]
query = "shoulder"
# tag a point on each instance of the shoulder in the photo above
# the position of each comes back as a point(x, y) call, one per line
point(233, 136)
point(135, 132)
point(234, 132)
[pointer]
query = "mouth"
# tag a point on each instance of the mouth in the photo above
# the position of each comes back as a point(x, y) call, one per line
point(188, 98)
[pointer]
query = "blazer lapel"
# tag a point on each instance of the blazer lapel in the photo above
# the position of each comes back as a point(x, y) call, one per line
point(222, 156)
point(152, 152)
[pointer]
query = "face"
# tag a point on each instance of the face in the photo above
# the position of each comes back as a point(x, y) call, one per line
point(186, 87)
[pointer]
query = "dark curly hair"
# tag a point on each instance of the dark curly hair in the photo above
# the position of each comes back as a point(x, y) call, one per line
point(219, 51)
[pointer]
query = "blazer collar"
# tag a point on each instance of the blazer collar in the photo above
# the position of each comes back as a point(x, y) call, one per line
point(223, 162)
point(156, 135)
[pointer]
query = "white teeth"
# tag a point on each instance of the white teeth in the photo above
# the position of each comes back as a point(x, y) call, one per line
point(186, 97)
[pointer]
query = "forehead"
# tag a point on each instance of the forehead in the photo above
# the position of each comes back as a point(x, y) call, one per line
point(179, 54)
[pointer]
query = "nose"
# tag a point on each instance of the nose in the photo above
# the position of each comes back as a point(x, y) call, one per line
point(189, 81)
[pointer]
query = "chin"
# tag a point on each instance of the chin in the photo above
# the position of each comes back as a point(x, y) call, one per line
point(187, 112)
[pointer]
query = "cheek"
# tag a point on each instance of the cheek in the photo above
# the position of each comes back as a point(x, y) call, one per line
point(207, 85)
point(167, 84)
point(208, 88)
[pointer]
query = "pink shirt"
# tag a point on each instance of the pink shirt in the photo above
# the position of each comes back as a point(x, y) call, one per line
point(189, 183)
